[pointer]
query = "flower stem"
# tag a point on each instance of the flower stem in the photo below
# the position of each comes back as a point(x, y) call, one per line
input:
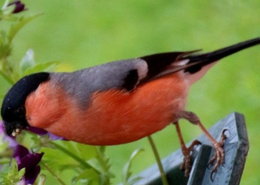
point(53, 173)
point(72, 155)
point(158, 161)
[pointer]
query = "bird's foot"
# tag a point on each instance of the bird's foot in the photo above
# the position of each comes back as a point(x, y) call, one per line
point(218, 157)
point(186, 151)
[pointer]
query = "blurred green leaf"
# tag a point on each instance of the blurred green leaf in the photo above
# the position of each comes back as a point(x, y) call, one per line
point(126, 173)
point(56, 159)
point(85, 152)
point(7, 10)
point(5, 4)
point(41, 180)
point(95, 163)
point(88, 177)
point(5, 48)
point(10, 175)
point(47, 66)
point(27, 61)
point(16, 27)
point(101, 163)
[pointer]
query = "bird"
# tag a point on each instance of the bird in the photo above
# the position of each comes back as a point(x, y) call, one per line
point(117, 102)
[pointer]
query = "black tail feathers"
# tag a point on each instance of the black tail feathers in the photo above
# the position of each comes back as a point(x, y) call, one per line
point(207, 58)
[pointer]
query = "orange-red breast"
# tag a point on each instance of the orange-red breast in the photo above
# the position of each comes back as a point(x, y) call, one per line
point(113, 103)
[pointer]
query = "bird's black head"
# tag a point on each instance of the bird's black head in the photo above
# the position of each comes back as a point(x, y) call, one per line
point(13, 108)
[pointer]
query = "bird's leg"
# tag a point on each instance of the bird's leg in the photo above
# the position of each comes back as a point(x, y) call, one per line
point(218, 157)
point(186, 151)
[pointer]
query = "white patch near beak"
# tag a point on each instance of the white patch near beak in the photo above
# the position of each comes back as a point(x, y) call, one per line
point(16, 132)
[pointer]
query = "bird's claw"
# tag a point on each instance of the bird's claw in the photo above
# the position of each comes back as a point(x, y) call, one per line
point(186, 165)
point(218, 157)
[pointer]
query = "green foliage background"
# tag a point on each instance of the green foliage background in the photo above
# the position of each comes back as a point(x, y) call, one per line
point(83, 33)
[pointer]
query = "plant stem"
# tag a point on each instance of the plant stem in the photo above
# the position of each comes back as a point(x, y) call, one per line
point(158, 161)
point(6, 77)
point(75, 157)
point(104, 163)
point(53, 173)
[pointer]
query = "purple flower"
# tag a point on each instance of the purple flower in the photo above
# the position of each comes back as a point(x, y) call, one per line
point(18, 6)
point(29, 161)
point(24, 158)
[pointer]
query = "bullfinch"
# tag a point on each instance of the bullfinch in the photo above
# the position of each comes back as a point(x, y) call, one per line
point(117, 102)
